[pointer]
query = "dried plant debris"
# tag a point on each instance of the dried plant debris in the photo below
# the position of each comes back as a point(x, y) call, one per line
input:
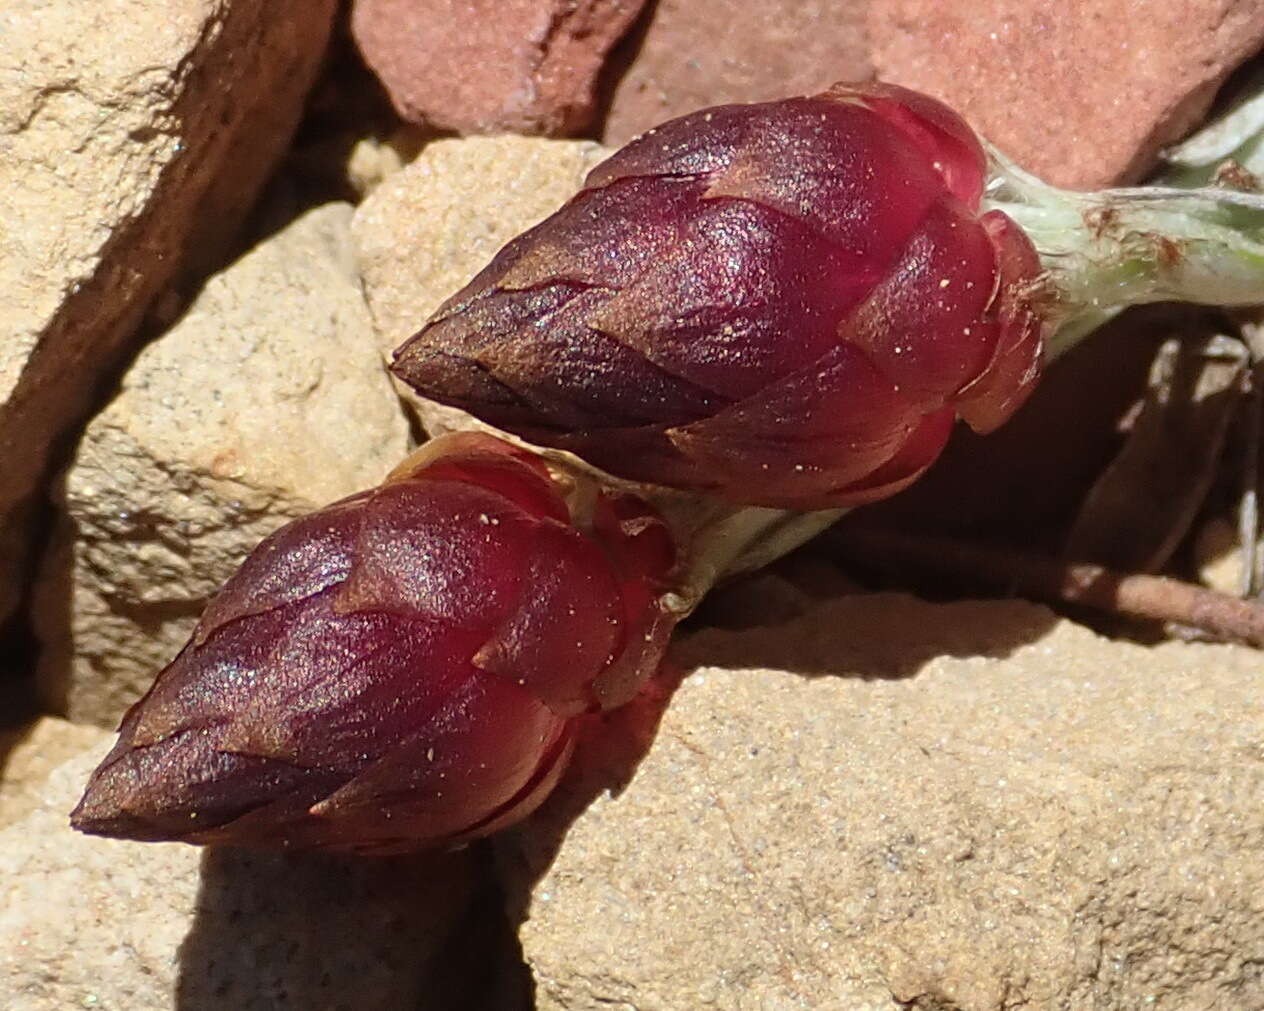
point(1143, 504)
point(1135, 595)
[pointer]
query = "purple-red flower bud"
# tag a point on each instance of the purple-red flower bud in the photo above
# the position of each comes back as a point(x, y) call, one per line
point(786, 304)
point(401, 669)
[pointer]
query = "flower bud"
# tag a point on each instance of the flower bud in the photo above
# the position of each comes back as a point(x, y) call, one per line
point(785, 304)
point(400, 669)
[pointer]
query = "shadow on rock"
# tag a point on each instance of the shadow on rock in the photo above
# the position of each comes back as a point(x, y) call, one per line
point(871, 636)
point(865, 636)
point(610, 747)
point(306, 930)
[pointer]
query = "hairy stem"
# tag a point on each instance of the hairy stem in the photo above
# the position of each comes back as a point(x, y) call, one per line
point(716, 540)
point(1110, 249)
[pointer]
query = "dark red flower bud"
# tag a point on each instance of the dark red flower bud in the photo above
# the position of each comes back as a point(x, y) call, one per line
point(400, 669)
point(786, 304)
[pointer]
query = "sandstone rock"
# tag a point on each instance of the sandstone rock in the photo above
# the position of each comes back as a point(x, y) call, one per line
point(697, 53)
point(266, 400)
point(891, 804)
point(372, 159)
point(430, 227)
point(775, 594)
point(1101, 85)
point(522, 66)
point(88, 922)
point(29, 754)
point(135, 136)
point(1218, 557)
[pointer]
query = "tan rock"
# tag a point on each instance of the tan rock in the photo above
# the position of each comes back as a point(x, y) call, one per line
point(491, 66)
point(1101, 85)
point(1218, 557)
point(696, 53)
point(372, 159)
point(135, 136)
point(29, 754)
point(88, 922)
point(266, 400)
point(890, 804)
point(430, 227)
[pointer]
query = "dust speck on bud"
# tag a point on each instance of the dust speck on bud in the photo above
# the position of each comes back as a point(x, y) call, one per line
point(394, 671)
point(785, 303)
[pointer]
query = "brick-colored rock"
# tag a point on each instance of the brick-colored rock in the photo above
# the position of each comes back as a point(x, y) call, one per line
point(891, 804)
point(120, 926)
point(135, 134)
point(487, 66)
point(697, 53)
point(430, 227)
point(267, 400)
point(1081, 92)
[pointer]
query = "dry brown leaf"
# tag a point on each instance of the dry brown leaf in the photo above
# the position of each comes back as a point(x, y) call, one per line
point(1142, 506)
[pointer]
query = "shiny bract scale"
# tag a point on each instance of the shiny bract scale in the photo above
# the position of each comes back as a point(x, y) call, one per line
point(401, 669)
point(785, 304)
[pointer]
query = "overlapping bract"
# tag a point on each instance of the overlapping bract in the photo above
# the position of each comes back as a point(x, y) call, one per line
point(785, 304)
point(403, 668)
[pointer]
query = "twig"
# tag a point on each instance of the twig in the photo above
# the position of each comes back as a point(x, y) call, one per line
point(1133, 594)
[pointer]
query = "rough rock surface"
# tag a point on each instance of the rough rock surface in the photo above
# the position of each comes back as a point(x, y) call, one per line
point(266, 400)
point(486, 66)
point(696, 53)
point(891, 804)
point(135, 136)
point(430, 227)
point(1102, 84)
point(29, 754)
point(96, 923)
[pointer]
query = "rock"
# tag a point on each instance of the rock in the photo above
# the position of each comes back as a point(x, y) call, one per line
point(1218, 557)
point(372, 159)
point(490, 66)
point(88, 922)
point(266, 400)
point(136, 134)
point(27, 757)
point(697, 53)
point(892, 804)
point(775, 594)
point(1101, 85)
point(430, 227)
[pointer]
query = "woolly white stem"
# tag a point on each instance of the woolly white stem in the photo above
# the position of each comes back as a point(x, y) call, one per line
point(1111, 249)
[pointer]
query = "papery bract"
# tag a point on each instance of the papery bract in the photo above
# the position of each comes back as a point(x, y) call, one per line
point(786, 303)
point(403, 668)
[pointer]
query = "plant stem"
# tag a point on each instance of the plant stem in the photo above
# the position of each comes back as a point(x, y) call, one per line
point(716, 540)
point(1103, 252)
point(1132, 594)
point(741, 539)
point(1114, 248)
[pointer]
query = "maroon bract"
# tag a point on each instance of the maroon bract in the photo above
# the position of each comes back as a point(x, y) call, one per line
point(785, 304)
point(403, 668)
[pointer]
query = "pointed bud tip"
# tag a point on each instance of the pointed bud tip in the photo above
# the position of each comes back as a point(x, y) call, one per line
point(397, 671)
point(760, 302)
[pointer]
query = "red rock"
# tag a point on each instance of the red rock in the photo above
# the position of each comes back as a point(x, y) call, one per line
point(1081, 92)
point(492, 66)
point(697, 53)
